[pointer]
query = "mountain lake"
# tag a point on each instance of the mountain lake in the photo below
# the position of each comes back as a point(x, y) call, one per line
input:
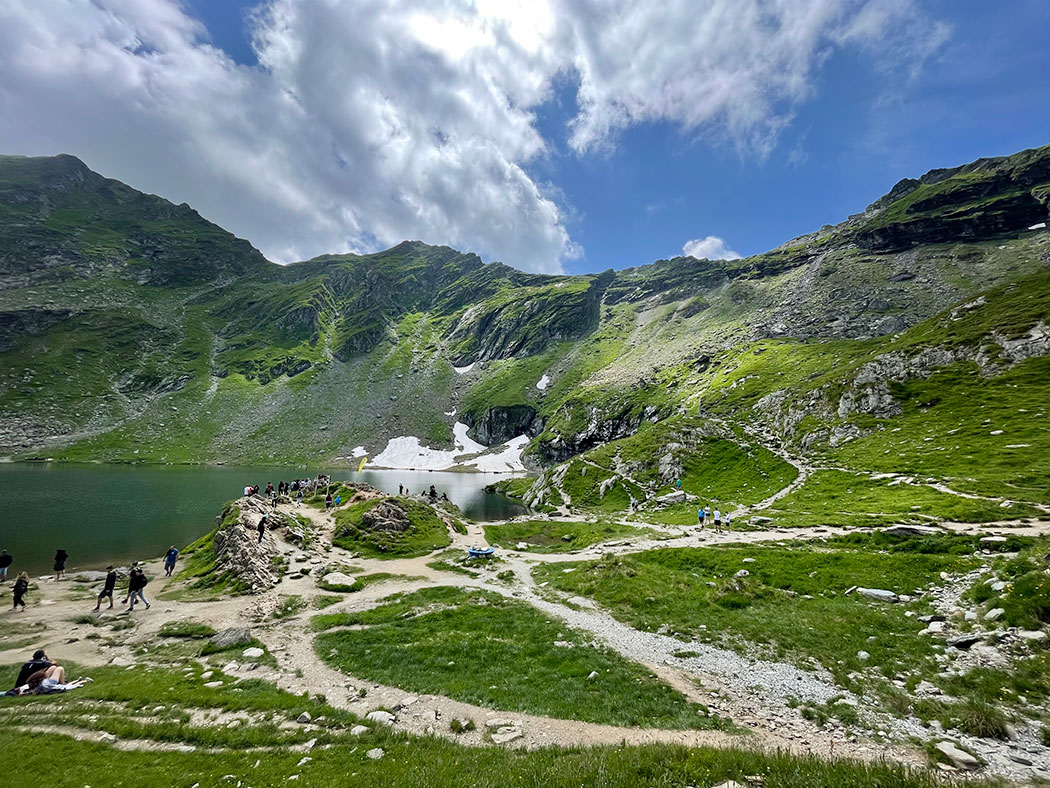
point(103, 514)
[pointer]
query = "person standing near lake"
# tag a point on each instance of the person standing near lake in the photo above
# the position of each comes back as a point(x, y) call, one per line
point(262, 528)
point(328, 502)
point(61, 556)
point(107, 589)
point(137, 581)
point(170, 558)
point(19, 589)
point(5, 564)
point(299, 498)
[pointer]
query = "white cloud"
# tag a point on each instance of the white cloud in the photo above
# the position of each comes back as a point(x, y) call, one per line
point(710, 248)
point(372, 121)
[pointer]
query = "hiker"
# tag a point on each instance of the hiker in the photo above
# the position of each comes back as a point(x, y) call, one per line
point(328, 502)
point(433, 493)
point(401, 489)
point(444, 497)
point(5, 564)
point(20, 588)
point(39, 662)
point(262, 527)
point(107, 589)
point(718, 520)
point(299, 498)
point(700, 514)
point(338, 498)
point(678, 484)
point(60, 563)
point(273, 500)
point(136, 588)
point(247, 490)
point(727, 522)
point(169, 560)
point(269, 488)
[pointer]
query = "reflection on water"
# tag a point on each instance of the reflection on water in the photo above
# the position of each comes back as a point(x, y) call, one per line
point(116, 513)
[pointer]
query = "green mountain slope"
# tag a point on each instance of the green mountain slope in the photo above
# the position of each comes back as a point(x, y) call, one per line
point(843, 349)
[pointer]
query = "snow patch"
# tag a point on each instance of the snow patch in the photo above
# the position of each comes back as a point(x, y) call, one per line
point(464, 370)
point(1038, 226)
point(543, 382)
point(359, 451)
point(407, 453)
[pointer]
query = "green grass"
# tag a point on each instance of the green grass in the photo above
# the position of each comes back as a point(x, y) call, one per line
point(556, 536)
point(482, 648)
point(426, 534)
point(669, 589)
point(326, 600)
point(847, 499)
point(185, 629)
point(289, 606)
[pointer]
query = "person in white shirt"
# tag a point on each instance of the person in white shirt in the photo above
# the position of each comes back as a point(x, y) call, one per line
point(718, 520)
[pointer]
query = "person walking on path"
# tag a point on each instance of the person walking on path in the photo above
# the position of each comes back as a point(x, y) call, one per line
point(262, 528)
point(718, 520)
point(727, 522)
point(328, 502)
point(136, 588)
point(20, 588)
point(299, 498)
point(170, 558)
point(61, 556)
point(5, 564)
point(107, 589)
point(700, 514)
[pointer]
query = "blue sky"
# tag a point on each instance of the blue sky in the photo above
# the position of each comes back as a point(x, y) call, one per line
point(581, 162)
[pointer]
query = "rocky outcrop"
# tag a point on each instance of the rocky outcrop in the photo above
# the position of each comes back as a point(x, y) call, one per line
point(497, 425)
point(386, 516)
point(239, 553)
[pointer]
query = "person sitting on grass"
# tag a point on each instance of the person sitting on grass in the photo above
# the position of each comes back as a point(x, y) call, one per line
point(39, 662)
point(107, 589)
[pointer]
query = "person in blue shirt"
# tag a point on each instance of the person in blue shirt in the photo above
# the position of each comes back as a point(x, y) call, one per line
point(169, 560)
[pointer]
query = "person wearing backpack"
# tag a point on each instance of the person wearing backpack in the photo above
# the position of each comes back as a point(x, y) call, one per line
point(136, 588)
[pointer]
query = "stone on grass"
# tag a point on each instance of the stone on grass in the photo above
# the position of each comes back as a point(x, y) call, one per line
point(960, 758)
point(963, 642)
point(863, 655)
point(994, 614)
point(234, 636)
point(338, 579)
point(504, 736)
point(592, 675)
point(108, 738)
point(1034, 635)
point(993, 539)
point(500, 722)
point(357, 730)
point(742, 573)
point(881, 594)
point(381, 717)
point(304, 717)
point(998, 585)
point(376, 753)
point(252, 653)
point(212, 684)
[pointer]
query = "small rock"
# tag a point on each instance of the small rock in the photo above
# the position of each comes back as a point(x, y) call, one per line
point(375, 754)
point(212, 684)
point(963, 642)
point(304, 718)
point(959, 758)
point(936, 626)
point(592, 675)
point(994, 614)
point(381, 717)
point(252, 653)
point(108, 738)
point(863, 655)
point(234, 636)
point(357, 730)
point(406, 701)
point(742, 573)
point(1032, 635)
point(503, 737)
point(749, 560)
point(338, 579)
point(881, 594)
point(502, 723)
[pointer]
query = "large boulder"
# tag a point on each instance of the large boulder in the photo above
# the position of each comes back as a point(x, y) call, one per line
point(234, 636)
point(386, 516)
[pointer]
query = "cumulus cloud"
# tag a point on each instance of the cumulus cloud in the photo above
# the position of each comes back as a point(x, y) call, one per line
point(371, 121)
point(710, 248)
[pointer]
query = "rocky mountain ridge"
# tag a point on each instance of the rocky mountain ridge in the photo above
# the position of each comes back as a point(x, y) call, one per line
point(202, 351)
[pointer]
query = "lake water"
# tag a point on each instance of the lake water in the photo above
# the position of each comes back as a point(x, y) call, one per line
point(104, 514)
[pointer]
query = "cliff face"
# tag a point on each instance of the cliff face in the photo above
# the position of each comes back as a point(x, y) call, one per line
point(132, 329)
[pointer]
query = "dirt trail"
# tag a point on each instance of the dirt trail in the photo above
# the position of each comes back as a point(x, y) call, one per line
point(751, 692)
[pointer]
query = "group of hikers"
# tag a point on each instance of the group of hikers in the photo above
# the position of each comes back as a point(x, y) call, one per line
point(294, 489)
point(137, 580)
point(716, 518)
